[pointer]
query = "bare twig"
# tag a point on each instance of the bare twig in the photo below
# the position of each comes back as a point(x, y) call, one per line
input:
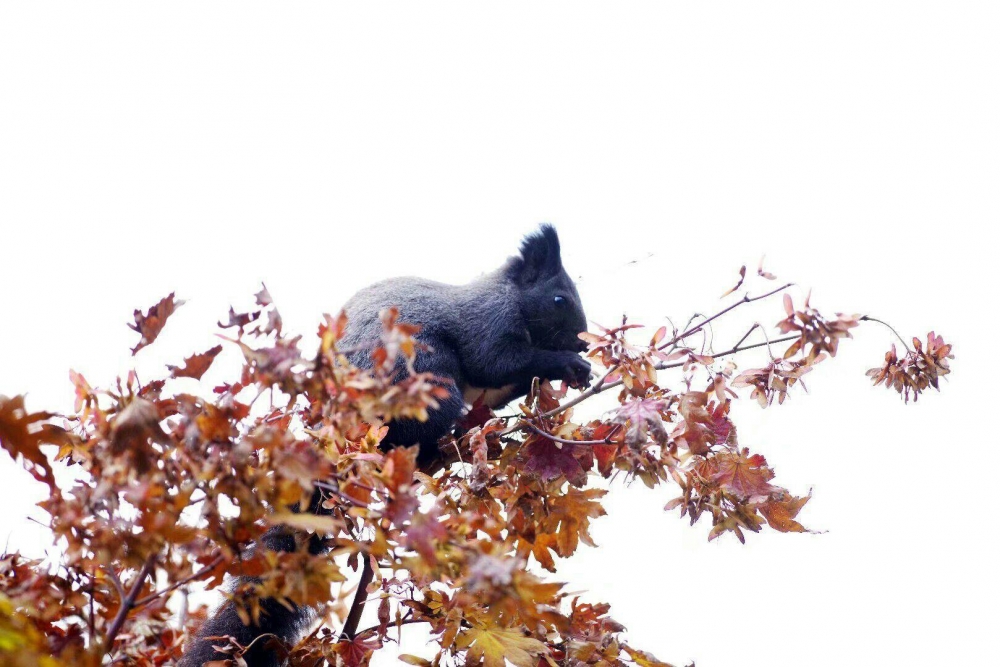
point(601, 384)
point(200, 573)
point(405, 621)
point(746, 335)
point(566, 441)
point(117, 583)
point(598, 388)
point(746, 299)
point(332, 488)
point(128, 603)
point(734, 350)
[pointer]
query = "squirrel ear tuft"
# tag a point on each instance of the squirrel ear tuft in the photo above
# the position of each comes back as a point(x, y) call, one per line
point(539, 256)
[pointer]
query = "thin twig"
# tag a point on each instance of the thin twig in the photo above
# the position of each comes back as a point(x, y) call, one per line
point(117, 583)
point(601, 384)
point(127, 604)
point(566, 441)
point(405, 621)
point(664, 366)
point(734, 350)
point(746, 335)
point(211, 566)
point(332, 488)
point(746, 299)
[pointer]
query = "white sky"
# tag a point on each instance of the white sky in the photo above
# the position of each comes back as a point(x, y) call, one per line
point(205, 147)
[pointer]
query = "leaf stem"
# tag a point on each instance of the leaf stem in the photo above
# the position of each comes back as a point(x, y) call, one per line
point(869, 318)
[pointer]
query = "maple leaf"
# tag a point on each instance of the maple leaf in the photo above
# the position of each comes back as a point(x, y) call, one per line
point(549, 460)
point(492, 646)
point(358, 651)
point(22, 433)
point(574, 510)
point(740, 473)
point(195, 365)
point(644, 416)
point(151, 324)
point(780, 512)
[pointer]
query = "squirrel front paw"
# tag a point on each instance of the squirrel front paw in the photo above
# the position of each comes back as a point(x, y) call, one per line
point(574, 370)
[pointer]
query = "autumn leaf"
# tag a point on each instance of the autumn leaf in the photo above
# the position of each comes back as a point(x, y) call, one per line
point(492, 646)
point(172, 488)
point(195, 365)
point(644, 417)
point(263, 297)
point(358, 651)
point(644, 659)
point(151, 324)
point(780, 513)
point(740, 473)
point(22, 433)
point(550, 460)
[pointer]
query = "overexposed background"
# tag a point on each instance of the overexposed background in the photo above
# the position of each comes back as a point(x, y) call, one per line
point(205, 147)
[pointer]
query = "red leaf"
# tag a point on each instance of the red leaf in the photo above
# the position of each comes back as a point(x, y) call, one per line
point(547, 460)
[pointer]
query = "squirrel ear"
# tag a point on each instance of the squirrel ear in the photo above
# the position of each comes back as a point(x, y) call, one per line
point(539, 256)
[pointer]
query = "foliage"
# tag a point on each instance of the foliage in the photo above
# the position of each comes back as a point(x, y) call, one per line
point(173, 487)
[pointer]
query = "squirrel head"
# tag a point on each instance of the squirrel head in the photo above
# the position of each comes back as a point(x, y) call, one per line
point(548, 298)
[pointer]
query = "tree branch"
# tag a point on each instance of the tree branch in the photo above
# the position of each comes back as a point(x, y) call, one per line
point(405, 621)
point(601, 385)
point(211, 566)
point(566, 441)
point(127, 604)
point(746, 299)
point(360, 598)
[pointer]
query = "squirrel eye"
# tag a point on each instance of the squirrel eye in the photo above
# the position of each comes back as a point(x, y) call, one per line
point(560, 300)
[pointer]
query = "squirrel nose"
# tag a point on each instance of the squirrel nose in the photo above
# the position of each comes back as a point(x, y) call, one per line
point(582, 346)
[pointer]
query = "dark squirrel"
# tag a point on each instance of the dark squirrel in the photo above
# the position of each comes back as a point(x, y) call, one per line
point(492, 337)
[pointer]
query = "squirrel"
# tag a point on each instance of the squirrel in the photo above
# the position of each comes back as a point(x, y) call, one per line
point(491, 337)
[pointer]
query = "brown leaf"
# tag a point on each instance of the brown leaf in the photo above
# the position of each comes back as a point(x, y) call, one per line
point(151, 324)
point(22, 433)
point(495, 645)
point(195, 365)
point(781, 512)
